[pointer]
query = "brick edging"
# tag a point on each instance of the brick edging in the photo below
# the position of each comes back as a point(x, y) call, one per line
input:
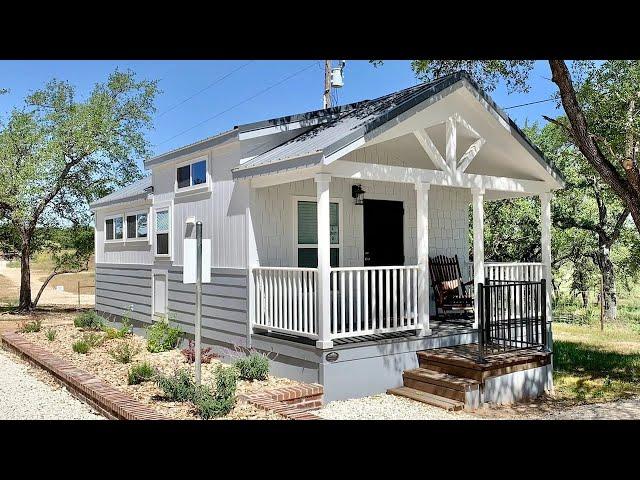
point(109, 401)
point(295, 402)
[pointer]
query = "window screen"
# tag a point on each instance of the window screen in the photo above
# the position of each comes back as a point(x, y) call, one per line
point(199, 172)
point(184, 177)
point(131, 226)
point(142, 225)
point(108, 226)
point(117, 224)
point(162, 244)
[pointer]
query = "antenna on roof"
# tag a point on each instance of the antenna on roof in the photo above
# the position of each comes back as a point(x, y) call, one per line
point(333, 78)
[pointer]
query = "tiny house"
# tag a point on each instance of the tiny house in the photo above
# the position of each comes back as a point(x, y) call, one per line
point(322, 226)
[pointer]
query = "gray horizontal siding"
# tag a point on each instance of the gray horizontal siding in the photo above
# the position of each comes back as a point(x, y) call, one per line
point(224, 305)
point(118, 287)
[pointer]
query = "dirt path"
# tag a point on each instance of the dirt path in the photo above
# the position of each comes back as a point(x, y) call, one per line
point(10, 289)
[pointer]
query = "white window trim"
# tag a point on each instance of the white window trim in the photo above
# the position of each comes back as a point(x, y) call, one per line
point(124, 227)
point(154, 272)
point(203, 187)
point(160, 208)
point(297, 245)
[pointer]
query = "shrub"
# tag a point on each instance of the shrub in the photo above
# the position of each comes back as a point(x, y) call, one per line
point(221, 402)
point(31, 327)
point(123, 331)
point(178, 387)
point(139, 373)
point(206, 354)
point(89, 320)
point(124, 352)
point(80, 346)
point(253, 367)
point(161, 336)
point(51, 334)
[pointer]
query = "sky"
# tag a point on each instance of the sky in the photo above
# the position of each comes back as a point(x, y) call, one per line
point(202, 98)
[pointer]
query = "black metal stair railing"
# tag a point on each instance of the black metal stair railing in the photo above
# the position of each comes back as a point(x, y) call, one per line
point(512, 316)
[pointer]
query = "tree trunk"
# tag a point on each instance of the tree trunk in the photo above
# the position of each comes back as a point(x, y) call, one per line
point(585, 298)
point(44, 285)
point(25, 278)
point(608, 283)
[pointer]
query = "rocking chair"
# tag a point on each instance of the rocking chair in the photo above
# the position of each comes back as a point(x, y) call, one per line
point(452, 296)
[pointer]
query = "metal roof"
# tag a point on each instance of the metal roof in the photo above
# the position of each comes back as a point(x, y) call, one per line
point(135, 191)
point(192, 147)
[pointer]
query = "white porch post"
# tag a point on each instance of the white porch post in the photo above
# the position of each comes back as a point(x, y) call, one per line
point(253, 261)
point(478, 246)
point(545, 227)
point(324, 261)
point(422, 208)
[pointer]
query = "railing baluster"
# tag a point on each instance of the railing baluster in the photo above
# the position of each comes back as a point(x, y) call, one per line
point(381, 289)
point(365, 323)
point(342, 302)
point(358, 302)
point(334, 302)
point(415, 296)
point(401, 297)
point(394, 281)
point(350, 290)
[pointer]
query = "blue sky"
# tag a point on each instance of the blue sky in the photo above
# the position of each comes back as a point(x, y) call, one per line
point(215, 109)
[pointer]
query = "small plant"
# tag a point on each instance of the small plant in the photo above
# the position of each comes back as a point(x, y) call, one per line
point(206, 354)
point(51, 334)
point(81, 346)
point(93, 339)
point(122, 332)
point(139, 373)
point(162, 336)
point(222, 401)
point(31, 327)
point(253, 367)
point(89, 320)
point(178, 387)
point(124, 352)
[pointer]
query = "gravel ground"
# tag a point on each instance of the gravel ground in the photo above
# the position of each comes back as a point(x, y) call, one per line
point(387, 407)
point(25, 397)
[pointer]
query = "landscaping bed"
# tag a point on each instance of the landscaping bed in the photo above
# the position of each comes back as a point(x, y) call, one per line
point(100, 360)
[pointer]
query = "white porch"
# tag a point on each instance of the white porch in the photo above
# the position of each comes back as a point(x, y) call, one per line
point(437, 158)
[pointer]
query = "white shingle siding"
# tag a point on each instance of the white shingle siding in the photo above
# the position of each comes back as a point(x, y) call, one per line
point(274, 220)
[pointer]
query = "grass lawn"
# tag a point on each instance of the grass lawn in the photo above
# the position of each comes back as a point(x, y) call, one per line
point(598, 366)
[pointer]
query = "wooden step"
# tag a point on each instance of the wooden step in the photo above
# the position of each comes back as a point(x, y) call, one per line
point(442, 379)
point(453, 370)
point(428, 398)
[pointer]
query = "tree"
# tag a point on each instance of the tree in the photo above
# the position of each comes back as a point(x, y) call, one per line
point(58, 153)
point(602, 119)
point(584, 204)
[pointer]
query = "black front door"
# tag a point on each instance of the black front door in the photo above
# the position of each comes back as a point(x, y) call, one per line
point(383, 233)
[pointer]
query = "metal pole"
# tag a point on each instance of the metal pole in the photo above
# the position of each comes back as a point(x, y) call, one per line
point(198, 322)
point(78, 293)
point(601, 304)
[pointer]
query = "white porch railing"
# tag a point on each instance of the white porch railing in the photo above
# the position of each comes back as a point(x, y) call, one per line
point(529, 271)
point(286, 300)
point(366, 300)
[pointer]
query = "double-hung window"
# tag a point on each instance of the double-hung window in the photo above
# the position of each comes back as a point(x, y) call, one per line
point(191, 174)
point(114, 228)
point(136, 226)
point(162, 226)
point(307, 233)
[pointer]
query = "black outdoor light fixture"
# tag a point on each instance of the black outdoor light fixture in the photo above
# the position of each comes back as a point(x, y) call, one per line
point(358, 193)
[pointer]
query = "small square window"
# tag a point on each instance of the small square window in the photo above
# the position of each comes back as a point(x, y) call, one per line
point(142, 225)
point(162, 244)
point(199, 173)
point(108, 227)
point(184, 176)
point(131, 226)
point(117, 224)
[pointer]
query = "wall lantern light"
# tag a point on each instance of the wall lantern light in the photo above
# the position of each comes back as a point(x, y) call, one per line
point(358, 193)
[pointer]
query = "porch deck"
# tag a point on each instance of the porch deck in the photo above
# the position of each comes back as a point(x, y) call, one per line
point(439, 328)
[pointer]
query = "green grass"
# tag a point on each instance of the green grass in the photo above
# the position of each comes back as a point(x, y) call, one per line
point(591, 365)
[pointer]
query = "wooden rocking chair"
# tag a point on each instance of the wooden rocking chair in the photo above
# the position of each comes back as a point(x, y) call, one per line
point(451, 293)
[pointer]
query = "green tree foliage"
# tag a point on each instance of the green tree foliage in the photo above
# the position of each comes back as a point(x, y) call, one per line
point(59, 152)
point(600, 101)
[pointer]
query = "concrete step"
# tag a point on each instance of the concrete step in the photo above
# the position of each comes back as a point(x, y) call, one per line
point(428, 398)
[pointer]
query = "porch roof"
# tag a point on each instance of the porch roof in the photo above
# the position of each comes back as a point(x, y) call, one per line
point(311, 147)
point(136, 191)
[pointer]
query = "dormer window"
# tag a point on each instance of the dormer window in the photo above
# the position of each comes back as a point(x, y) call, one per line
point(191, 174)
